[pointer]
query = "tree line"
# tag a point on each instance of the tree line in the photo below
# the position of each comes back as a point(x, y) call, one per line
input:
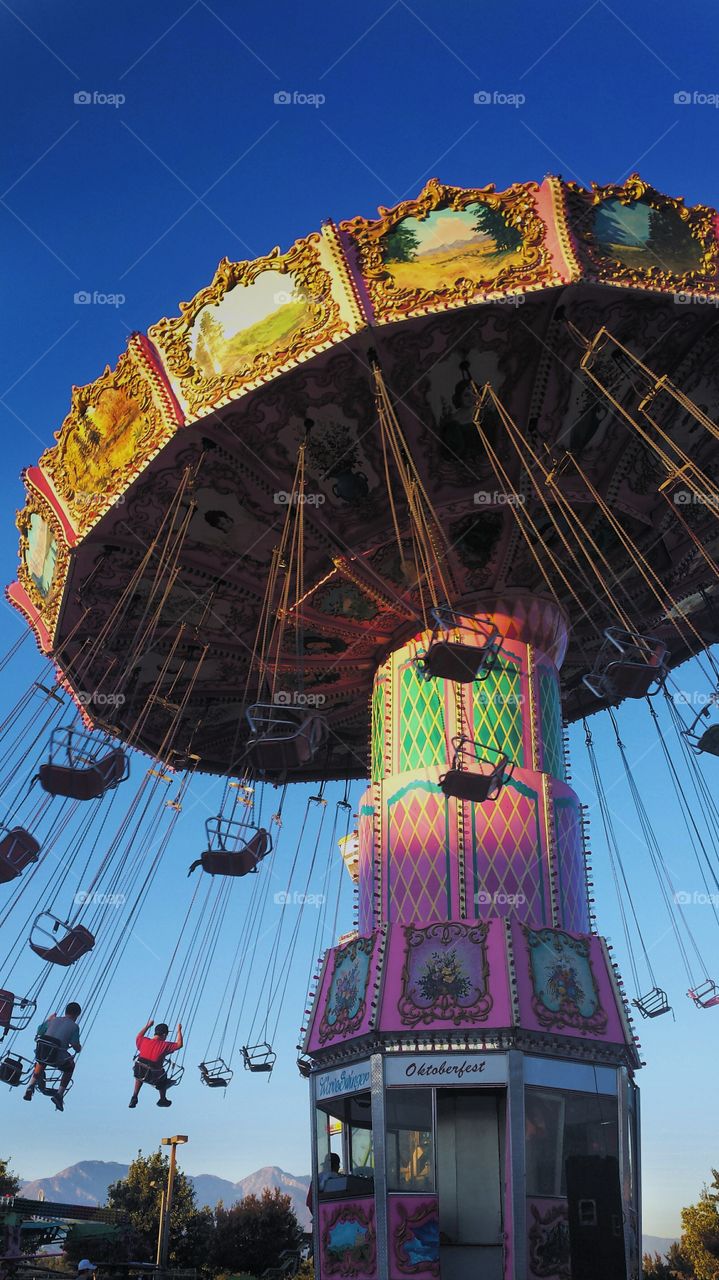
point(246, 1238)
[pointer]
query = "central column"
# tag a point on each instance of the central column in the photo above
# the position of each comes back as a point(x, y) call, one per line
point(425, 858)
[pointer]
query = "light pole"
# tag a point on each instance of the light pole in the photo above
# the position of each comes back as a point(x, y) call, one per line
point(163, 1235)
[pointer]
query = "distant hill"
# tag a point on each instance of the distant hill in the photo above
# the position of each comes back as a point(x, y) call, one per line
point(87, 1183)
point(657, 1244)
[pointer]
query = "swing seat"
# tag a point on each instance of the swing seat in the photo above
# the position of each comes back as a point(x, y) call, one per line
point(281, 742)
point(473, 776)
point(86, 782)
point(705, 996)
point(258, 1057)
point(152, 1073)
point(709, 741)
point(451, 653)
point(215, 1074)
point(77, 940)
point(14, 1070)
point(239, 862)
point(653, 1004)
point(15, 1012)
point(628, 665)
point(17, 850)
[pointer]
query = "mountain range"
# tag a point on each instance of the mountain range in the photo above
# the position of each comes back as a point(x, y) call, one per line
point(88, 1181)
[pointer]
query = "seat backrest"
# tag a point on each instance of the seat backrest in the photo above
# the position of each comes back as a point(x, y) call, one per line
point(76, 943)
point(7, 1003)
point(111, 767)
point(631, 679)
point(76, 784)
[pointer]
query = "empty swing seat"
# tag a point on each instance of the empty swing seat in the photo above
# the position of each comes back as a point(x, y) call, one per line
point(461, 648)
point(88, 781)
point(653, 1004)
point(215, 1074)
point(709, 741)
point(627, 666)
point(281, 742)
point(75, 943)
point(17, 850)
point(258, 1057)
point(14, 1070)
point(706, 995)
point(236, 862)
point(15, 1012)
point(473, 776)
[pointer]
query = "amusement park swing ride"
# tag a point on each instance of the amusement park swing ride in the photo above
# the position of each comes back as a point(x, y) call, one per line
point(404, 501)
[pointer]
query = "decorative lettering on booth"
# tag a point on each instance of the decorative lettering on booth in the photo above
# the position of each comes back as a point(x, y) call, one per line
point(447, 1069)
point(348, 1080)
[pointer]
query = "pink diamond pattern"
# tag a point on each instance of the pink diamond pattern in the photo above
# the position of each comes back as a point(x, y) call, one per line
point(417, 859)
point(508, 858)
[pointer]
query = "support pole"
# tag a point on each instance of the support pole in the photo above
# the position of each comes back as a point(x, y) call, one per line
point(163, 1244)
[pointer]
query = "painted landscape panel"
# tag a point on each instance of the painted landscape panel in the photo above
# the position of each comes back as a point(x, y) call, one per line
point(639, 236)
point(250, 320)
point(433, 253)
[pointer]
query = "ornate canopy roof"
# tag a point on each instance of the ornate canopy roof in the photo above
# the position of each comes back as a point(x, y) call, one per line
point(455, 288)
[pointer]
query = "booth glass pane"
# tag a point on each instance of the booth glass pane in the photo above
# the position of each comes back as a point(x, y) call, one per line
point(560, 1125)
point(410, 1141)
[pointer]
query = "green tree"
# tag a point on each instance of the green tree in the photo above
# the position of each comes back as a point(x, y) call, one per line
point(655, 1268)
point(678, 1263)
point(700, 1232)
point(670, 239)
point(138, 1195)
point(9, 1181)
point(210, 340)
point(400, 244)
point(252, 1234)
point(491, 222)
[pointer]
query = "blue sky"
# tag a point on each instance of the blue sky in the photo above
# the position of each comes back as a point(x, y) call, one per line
point(143, 198)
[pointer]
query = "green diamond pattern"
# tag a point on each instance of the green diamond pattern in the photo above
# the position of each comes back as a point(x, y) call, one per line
point(422, 740)
point(551, 711)
point(498, 711)
point(378, 710)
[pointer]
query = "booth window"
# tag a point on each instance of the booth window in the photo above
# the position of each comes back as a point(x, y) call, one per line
point(410, 1144)
point(344, 1131)
point(559, 1125)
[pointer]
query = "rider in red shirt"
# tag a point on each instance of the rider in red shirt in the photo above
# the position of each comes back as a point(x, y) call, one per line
point(149, 1065)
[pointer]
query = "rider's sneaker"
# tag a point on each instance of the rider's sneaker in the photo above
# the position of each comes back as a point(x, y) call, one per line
point(28, 1094)
point(133, 1101)
point(56, 1098)
point(164, 1102)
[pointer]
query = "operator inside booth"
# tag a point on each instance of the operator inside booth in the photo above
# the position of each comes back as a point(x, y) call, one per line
point(344, 1135)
